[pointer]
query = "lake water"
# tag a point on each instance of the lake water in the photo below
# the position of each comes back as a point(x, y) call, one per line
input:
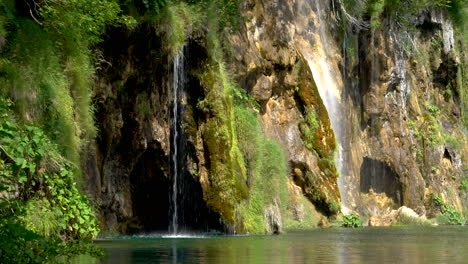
point(334, 245)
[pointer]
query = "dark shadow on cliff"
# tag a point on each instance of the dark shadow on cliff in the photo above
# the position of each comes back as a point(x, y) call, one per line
point(132, 166)
point(378, 176)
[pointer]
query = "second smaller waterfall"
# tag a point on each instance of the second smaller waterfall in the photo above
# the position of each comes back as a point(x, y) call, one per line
point(177, 85)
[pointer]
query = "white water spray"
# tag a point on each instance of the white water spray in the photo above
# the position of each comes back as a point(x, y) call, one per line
point(328, 79)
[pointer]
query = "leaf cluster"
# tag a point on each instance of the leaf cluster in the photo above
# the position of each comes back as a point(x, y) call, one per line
point(40, 205)
point(82, 20)
point(351, 220)
point(449, 215)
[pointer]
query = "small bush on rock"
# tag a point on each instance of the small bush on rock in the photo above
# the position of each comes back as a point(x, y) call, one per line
point(351, 220)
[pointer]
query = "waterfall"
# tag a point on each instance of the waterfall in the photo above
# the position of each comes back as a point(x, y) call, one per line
point(177, 85)
point(327, 77)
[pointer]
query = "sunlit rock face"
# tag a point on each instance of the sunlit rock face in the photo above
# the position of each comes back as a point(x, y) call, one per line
point(378, 99)
point(387, 129)
point(272, 53)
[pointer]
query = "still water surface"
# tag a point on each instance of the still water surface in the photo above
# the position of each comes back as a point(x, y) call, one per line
point(334, 245)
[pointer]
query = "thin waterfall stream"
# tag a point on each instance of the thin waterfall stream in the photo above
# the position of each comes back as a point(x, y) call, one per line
point(177, 84)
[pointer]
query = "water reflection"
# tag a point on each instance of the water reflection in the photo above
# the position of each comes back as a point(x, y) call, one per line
point(375, 245)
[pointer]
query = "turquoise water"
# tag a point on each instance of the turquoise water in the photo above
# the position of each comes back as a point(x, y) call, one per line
point(334, 245)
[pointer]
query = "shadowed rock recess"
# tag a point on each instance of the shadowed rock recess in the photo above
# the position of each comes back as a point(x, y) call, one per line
point(396, 133)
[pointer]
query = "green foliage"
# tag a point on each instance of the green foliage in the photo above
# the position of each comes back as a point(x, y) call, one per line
point(46, 66)
point(33, 77)
point(142, 106)
point(438, 201)
point(335, 207)
point(40, 217)
point(434, 110)
point(308, 128)
point(242, 97)
point(458, 11)
point(151, 7)
point(225, 12)
point(309, 219)
point(351, 220)
point(375, 8)
point(177, 21)
point(267, 170)
point(227, 172)
point(401, 11)
point(428, 132)
point(40, 203)
point(449, 215)
point(464, 186)
point(81, 21)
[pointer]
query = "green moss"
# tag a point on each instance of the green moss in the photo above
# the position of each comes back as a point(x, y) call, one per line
point(177, 21)
point(227, 172)
point(462, 77)
point(375, 8)
point(46, 66)
point(33, 76)
point(80, 75)
point(142, 106)
point(247, 171)
point(310, 218)
point(267, 170)
point(313, 139)
point(227, 188)
point(308, 128)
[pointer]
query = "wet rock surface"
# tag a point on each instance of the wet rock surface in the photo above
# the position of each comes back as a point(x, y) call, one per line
point(402, 138)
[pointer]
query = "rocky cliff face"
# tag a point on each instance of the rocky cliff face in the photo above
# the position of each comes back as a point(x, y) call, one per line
point(384, 114)
point(410, 139)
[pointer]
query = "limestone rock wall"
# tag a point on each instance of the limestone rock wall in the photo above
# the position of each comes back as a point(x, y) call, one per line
point(400, 135)
point(402, 131)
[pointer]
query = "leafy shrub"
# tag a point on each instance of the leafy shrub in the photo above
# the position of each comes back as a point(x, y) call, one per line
point(351, 220)
point(438, 201)
point(41, 207)
point(464, 186)
point(308, 128)
point(375, 8)
point(449, 215)
point(433, 109)
point(46, 65)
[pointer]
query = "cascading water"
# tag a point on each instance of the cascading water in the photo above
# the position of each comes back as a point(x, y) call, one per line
point(177, 85)
point(188, 213)
point(329, 83)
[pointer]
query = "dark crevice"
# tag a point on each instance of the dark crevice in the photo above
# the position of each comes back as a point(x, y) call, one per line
point(447, 155)
point(381, 178)
point(149, 188)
